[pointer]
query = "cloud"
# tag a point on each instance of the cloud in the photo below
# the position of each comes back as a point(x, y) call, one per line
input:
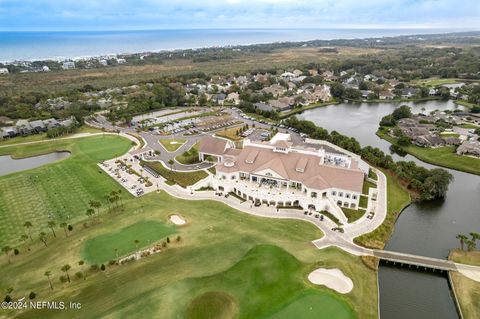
point(171, 14)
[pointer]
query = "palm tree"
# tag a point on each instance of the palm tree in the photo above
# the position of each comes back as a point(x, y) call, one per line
point(7, 250)
point(65, 269)
point(171, 162)
point(136, 243)
point(475, 236)
point(51, 224)
point(90, 212)
point(43, 238)
point(116, 252)
point(471, 244)
point(81, 263)
point(462, 239)
point(95, 204)
point(47, 274)
point(28, 225)
point(64, 225)
point(24, 238)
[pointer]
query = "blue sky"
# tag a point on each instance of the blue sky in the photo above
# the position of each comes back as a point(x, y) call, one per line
point(39, 15)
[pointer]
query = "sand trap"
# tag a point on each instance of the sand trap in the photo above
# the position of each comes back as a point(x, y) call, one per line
point(174, 142)
point(177, 220)
point(332, 278)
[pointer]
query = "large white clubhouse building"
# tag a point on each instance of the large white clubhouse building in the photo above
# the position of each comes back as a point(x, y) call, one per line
point(313, 175)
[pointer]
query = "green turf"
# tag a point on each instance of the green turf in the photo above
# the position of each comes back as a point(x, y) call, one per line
point(189, 157)
point(216, 240)
point(363, 201)
point(353, 214)
point(314, 305)
point(366, 186)
point(183, 179)
point(62, 189)
point(212, 305)
point(441, 156)
point(167, 143)
point(267, 283)
point(469, 126)
point(102, 248)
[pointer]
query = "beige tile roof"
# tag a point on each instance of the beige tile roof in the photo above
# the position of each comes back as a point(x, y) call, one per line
point(314, 175)
point(212, 145)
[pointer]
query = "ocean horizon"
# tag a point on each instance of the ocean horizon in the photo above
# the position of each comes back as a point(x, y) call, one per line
point(60, 45)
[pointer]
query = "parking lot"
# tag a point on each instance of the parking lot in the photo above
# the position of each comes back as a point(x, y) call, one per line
point(134, 184)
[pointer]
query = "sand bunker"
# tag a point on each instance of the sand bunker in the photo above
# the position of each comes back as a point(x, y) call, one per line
point(177, 220)
point(174, 142)
point(332, 278)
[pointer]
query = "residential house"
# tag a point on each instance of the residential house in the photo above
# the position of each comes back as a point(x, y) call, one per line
point(263, 107)
point(219, 98)
point(274, 89)
point(234, 98)
point(386, 95)
point(68, 65)
point(469, 148)
point(23, 127)
point(38, 126)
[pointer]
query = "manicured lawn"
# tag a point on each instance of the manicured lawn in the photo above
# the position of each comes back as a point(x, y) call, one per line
point(397, 199)
point(102, 248)
point(172, 144)
point(372, 174)
point(232, 133)
point(62, 189)
point(190, 156)
point(214, 305)
point(468, 125)
point(313, 305)
point(180, 178)
point(436, 81)
point(275, 271)
point(442, 156)
point(363, 202)
point(353, 214)
point(450, 134)
point(467, 290)
point(366, 186)
point(221, 250)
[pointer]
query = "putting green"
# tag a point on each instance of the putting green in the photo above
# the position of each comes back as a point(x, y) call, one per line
point(315, 305)
point(113, 245)
point(212, 305)
point(266, 283)
point(58, 190)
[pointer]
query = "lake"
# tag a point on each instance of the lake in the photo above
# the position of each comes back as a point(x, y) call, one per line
point(427, 229)
point(9, 165)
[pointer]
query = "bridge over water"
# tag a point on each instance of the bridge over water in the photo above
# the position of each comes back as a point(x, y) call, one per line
point(415, 260)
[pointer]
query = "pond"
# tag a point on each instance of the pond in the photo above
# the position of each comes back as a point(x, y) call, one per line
point(428, 229)
point(10, 165)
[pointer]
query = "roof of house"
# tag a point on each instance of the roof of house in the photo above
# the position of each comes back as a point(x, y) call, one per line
point(289, 167)
point(213, 145)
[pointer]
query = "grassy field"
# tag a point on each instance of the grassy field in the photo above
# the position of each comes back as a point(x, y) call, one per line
point(112, 245)
point(432, 82)
point(171, 144)
point(397, 199)
point(181, 178)
point(232, 134)
point(468, 125)
point(467, 290)
point(224, 256)
point(61, 189)
point(442, 156)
